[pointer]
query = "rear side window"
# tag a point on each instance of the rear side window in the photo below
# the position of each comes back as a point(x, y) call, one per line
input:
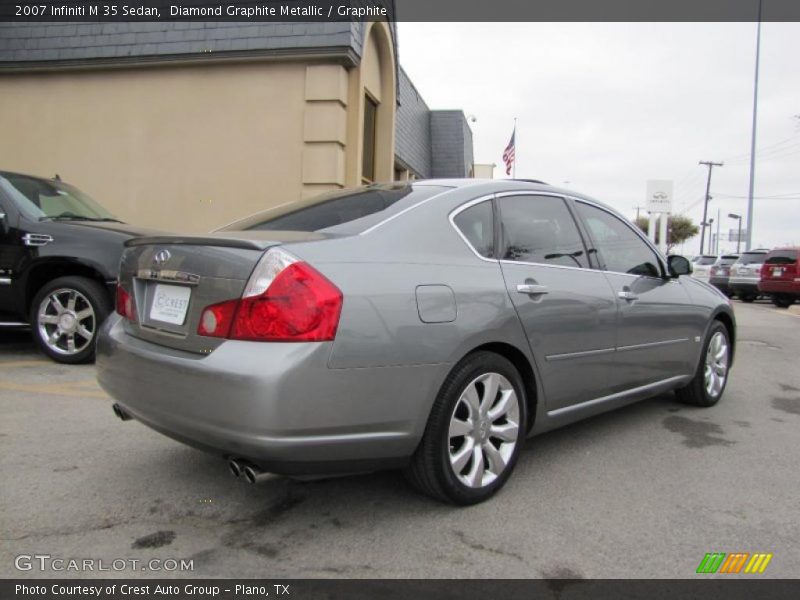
point(476, 223)
point(750, 258)
point(540, 229)
point(621, 250)
point(782, 257)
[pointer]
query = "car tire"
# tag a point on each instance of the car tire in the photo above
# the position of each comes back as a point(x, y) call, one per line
point(747, 297)
point(782, 300)
point(65, 317)
point(706, 388)
point(462, 422)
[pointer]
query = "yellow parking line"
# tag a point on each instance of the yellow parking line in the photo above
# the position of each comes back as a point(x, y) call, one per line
point(75, 389)
point(8, 364)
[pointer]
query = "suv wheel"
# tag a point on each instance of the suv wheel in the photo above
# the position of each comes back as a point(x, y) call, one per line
point(474, 434)
point(782, 300)
point(709, 381)
point(66, 315)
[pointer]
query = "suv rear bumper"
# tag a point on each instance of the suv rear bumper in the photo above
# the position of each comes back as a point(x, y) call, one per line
point(773, 286)
point(276, 405)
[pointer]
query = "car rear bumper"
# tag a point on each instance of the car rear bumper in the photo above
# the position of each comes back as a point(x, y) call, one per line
point(773, 286)
point(721, 283)
point(277, 405)
point(746, 285)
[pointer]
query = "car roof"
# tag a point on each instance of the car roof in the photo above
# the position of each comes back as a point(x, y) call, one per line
point(489, 186)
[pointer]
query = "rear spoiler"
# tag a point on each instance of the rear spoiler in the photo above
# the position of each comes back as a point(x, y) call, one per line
point(223, 242)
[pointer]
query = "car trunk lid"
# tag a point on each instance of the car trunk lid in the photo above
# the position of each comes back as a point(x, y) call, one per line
point(171, 279)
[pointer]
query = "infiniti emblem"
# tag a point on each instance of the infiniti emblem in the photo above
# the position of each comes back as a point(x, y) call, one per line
point(161, 257)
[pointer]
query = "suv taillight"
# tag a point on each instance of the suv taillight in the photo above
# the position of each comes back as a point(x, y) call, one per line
point(125, 306)
point(285, 300)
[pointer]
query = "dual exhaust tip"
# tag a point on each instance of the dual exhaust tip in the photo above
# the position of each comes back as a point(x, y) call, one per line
point(252, 473)
point(120, 412)
point(237, 466)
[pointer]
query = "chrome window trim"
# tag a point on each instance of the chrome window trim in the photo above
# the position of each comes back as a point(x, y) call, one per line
point(458, 210)
point(408, 208)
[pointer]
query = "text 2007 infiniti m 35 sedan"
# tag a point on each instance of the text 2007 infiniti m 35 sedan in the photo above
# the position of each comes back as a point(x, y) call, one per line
point(429, 326)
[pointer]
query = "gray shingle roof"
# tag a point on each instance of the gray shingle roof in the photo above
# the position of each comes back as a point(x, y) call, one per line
point(24, 45)
point(412, 128)
point(451, 144)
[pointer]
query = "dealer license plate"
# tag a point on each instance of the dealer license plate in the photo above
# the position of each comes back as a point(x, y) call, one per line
point(170, 303)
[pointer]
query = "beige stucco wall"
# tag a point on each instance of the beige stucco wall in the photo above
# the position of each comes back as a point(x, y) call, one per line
point(193, 147)
point(187, 147)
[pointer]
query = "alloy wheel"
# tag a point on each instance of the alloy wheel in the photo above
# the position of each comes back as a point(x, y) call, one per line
point(716, 369)
point(484, 428)
point(66, 321)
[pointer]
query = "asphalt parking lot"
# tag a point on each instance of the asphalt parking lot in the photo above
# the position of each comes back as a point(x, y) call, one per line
point(645, 491)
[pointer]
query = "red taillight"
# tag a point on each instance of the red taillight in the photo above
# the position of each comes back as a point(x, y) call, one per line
point(216, 319)
point(125, 305)
point(299, 304)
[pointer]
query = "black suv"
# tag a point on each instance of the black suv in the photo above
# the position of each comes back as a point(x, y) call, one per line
point(59, 256)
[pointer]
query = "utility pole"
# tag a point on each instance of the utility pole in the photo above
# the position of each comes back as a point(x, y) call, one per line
point(637, 211)
point(710, 164)
point(753, 137)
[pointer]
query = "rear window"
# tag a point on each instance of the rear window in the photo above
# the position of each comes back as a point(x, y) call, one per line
point(781, 257)
point(706, 260)
point(749, 258)
point(347, 212)
point(728, 260)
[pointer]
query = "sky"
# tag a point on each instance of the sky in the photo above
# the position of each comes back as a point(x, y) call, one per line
point(608, 106)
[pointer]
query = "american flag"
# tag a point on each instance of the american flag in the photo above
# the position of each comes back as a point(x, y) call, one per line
point(509, 154)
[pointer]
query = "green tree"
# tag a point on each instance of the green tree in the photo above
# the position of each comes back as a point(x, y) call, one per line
point(679, 229)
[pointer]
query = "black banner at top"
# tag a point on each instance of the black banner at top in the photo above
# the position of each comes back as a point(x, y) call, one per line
point(399, 10)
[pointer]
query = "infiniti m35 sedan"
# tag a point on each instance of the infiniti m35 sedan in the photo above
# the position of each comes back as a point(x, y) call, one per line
point(430, 326)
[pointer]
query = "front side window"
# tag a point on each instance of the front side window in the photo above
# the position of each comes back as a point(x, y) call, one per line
point(476, 223)
point(540, 229)
point(621, 250)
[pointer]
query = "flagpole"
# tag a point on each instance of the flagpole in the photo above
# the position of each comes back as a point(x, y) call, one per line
point(514, 166)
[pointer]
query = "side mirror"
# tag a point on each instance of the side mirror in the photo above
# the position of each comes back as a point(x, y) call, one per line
point(679, 265)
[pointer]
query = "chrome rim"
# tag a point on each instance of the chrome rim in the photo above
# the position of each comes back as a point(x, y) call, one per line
point(66, 321)
point(483, 432)
point(716, 364)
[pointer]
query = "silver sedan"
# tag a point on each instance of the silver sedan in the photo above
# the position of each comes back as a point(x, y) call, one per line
point(429, 326)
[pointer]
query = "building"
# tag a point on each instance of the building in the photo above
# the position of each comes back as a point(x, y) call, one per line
point(190, 125)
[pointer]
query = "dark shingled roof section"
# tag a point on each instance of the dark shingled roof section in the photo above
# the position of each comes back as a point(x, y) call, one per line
point(30, 44)
point(451, 144)
point(413, 128)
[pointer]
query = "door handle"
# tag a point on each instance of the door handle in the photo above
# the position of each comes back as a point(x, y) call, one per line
point(532, 289)
point(627, 295)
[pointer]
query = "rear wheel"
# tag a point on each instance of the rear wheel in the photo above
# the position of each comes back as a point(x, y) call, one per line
point(65, 317)
point(474, 434)
point(745, 297)
point(709, 381)
point(782, 300)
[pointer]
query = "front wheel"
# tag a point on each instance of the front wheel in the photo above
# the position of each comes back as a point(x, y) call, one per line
point(66, 315)
point(711, 376)
point(474, 433)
